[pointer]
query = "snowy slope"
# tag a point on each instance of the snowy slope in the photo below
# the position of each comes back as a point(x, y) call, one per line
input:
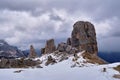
point(69, 62)
point(62, 71)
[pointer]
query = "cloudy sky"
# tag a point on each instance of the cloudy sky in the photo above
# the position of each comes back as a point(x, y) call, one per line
point(25, 22)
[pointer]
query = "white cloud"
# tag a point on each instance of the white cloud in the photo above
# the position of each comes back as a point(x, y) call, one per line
point(23, 27)
point(103, 28)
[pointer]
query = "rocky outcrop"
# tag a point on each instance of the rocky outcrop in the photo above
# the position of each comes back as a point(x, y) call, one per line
point(69, 41)
point(3, 62)
point(50, 60)
point(32, 53)
point(42, 50)
point(63, 47)
point(84, 37)
point(18, 63)
point(49, 48)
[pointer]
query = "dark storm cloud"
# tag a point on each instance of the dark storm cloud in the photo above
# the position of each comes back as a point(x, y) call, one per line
point(117, 34)
point(19, 28)
point(20, 4)
point(55, 17)
point(110, 44)
point(115, 30)
point(96, 9)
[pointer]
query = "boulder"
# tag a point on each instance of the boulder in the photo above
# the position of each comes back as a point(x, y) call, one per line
point(50, 46)
point(84, 37)
point(68, 48)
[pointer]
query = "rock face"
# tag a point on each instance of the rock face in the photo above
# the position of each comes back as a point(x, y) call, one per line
point(84, 37)
point(64, 47)
point(50, 60)
point(69, 41)
point(32, 53)
point(18, 63)
point(8, 51)
point(50, 46)
point(42, 50)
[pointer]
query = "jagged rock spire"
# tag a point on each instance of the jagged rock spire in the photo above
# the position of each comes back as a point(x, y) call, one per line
point(49, 47)
point(32, 53)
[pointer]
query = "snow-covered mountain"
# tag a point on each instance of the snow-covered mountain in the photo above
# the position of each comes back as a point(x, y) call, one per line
point(8, 51)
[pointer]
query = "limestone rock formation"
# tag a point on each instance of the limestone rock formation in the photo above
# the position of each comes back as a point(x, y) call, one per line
point(3, 62)
point(42, 50)
point(64, 47)
point(84, 37)
point(50, 46)
point(18, 63)
point(69, 41)
point(50, 60)
point(61, 47)
point(32, 53)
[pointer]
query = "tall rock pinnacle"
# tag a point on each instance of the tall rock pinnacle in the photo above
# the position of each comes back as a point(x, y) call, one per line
point(32, 53)
point(84, 37)
point(50, 47)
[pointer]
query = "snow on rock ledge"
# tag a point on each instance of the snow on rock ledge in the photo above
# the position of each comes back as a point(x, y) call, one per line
point(73, 60)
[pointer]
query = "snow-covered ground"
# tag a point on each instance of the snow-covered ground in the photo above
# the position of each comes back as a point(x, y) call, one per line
point(62, 71)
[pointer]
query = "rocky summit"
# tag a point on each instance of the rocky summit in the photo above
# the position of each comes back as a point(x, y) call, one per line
point(81, 45)
point(83, 37)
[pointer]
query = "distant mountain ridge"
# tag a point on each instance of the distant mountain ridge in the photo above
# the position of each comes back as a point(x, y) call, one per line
point(8, 51)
